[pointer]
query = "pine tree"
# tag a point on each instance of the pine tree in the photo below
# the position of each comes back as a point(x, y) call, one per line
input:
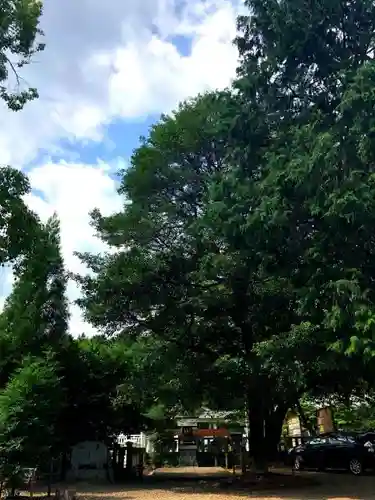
point(35, 316)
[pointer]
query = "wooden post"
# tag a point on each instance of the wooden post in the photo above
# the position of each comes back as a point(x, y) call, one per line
point(129, 458)
point(31, 481)
point(227, 450)
point(243, 461)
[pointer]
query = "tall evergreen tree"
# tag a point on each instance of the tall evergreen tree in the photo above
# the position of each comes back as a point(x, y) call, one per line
point(35, 316)
point(311, 70)
point(301, 207)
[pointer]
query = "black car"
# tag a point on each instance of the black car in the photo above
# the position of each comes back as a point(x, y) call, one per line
point(333, 452)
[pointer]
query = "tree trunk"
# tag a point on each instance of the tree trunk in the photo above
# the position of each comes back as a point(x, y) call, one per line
point(243, 460)
point(265, 432)
point(50, 473)
point(257, 438)
point(64, 466)
point(273, 427)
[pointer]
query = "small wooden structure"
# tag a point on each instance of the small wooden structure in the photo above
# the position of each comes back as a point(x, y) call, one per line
point(325, 420)
point(89, 461)
point(127, 462)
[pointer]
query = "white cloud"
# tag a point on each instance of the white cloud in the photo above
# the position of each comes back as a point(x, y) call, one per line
point(113, 60)
point(107, 61)
point(161, 77)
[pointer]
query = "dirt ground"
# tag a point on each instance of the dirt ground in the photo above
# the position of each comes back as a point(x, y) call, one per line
point(331, 487)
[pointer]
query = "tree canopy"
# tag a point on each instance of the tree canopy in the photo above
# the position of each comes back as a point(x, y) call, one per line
point(29, 406)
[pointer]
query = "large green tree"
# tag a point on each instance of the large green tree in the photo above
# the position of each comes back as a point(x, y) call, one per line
point(187, 292)
point(300, 204)
point(246, 238)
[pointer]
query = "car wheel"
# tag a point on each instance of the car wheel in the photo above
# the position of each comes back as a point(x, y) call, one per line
point(355, 466)
point(298, 463)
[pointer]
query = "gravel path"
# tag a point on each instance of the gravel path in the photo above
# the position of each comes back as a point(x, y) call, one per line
point(332, 487)
point(166, 494)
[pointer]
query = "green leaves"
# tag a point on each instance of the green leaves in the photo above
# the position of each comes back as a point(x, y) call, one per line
point(29, 406)
point(244, 253)
point(17, 223)
point(104, 403)
point(35, 315)
point(19, 20)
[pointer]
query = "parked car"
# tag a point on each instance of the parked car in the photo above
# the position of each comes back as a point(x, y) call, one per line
point(333, 452)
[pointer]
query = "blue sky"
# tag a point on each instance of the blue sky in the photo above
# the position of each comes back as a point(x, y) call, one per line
point(99, 91)
point(121, 138)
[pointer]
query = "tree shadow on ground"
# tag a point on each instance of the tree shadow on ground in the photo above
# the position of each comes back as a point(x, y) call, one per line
point(332, 487)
